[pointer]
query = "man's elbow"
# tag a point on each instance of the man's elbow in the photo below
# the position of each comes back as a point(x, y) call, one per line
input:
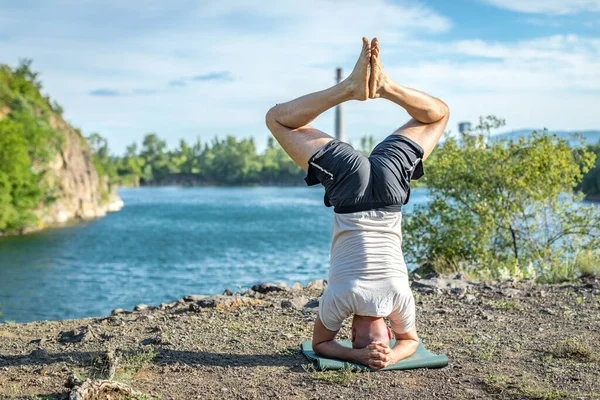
point(318, 347)
point(271, 117)
point(442, 111)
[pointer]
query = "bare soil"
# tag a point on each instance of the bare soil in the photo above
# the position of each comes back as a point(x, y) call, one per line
point(504, 340)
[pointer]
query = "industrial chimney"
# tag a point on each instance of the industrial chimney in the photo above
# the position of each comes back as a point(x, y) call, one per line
point(339, 123)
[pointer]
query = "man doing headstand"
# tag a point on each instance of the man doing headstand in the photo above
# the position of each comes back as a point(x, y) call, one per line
point(368, 277)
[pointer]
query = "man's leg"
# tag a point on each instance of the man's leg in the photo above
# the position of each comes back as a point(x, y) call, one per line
point(429, 114)
point(288, 122)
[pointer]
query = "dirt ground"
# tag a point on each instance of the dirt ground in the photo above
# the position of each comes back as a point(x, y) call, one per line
point(504, 340)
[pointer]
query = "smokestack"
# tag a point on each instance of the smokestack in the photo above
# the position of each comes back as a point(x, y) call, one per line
point(339, 123)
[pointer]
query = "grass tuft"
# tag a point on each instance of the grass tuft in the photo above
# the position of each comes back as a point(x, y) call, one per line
point(341, 377)
point(575, 349)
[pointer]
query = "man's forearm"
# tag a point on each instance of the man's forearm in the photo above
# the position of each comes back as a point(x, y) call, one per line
point(421, 106)
point(303, 110)
point(332, 349)
point(403, 349)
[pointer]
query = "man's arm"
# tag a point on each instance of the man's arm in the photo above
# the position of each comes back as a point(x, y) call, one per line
point(405, 346)
point(323, 344)
point(429, 114)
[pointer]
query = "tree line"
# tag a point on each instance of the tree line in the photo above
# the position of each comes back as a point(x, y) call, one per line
point(222, 161)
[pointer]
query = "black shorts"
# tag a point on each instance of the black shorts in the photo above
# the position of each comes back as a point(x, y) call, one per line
point(354, 182)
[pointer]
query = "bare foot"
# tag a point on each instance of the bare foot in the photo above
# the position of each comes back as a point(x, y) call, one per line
point(378, 78)
point(359, 78)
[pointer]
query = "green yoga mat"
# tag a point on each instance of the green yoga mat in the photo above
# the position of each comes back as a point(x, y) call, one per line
point(422, 358)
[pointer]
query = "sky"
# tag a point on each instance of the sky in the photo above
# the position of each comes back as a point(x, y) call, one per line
point(199, 70)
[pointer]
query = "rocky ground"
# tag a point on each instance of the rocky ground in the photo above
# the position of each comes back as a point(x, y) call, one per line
point(504, 340)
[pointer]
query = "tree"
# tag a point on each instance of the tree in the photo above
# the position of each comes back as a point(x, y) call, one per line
point(506, 203)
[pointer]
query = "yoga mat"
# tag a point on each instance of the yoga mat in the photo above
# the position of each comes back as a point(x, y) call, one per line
point(422, 358)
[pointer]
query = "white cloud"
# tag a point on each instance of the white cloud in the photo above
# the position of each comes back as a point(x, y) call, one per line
point(553, 7)
point(283, 50)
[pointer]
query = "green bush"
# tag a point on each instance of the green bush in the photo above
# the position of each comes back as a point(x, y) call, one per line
point(505, 208)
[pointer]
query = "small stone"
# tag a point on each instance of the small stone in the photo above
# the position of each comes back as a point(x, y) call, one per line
point(541, 329)
point(296, 303)
point(462, 277)
point(511, 293)
point(549, 311)
point(156, 339)
point(488, 317)
point(543, 293)
point(39, 354)
point(318, 284)
point(118, 311)
point(297, 286)
point(77, 335)
point(227, 292)
point(142, 307)
point(250, 293)
point(469, 298)
point(416, 277)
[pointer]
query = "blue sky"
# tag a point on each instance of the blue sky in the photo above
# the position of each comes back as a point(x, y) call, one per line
point(198, 69)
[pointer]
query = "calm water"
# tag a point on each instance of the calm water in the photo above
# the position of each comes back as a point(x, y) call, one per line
point(166, 243)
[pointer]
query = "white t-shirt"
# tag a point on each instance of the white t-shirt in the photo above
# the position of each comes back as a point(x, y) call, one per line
point(367, 274)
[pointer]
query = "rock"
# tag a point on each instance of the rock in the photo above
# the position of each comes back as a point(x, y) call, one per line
point(487, 317)
point(469, 298)
point(318, 284)
point(118, 311)
point(194, 297)
point(142, 307)
point(416, 276)
point(39, 354)
point(81, 334)
point(250, 293)
point(297, 286)
point(222, 301)
point(462, 277)
point(314, 303)
point(156, 339)
point(430, 285)
point(549, 311)
point(268, 287)
point(227, 292)
point(296, 303)
point(510, 293)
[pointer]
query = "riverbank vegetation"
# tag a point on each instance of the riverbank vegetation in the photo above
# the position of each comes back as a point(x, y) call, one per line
point(28, 143)
point(507, 209)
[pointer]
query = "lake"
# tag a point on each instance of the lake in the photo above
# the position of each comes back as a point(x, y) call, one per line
point(168, 242)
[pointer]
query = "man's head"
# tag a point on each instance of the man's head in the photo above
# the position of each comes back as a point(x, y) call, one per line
point(369, 329)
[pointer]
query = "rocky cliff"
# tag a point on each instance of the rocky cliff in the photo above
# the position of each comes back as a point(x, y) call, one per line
point(83, 194)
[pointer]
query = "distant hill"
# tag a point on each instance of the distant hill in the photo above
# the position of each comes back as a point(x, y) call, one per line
point(590, 137)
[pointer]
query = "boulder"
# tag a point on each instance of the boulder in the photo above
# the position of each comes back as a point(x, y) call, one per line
point(297, 286)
